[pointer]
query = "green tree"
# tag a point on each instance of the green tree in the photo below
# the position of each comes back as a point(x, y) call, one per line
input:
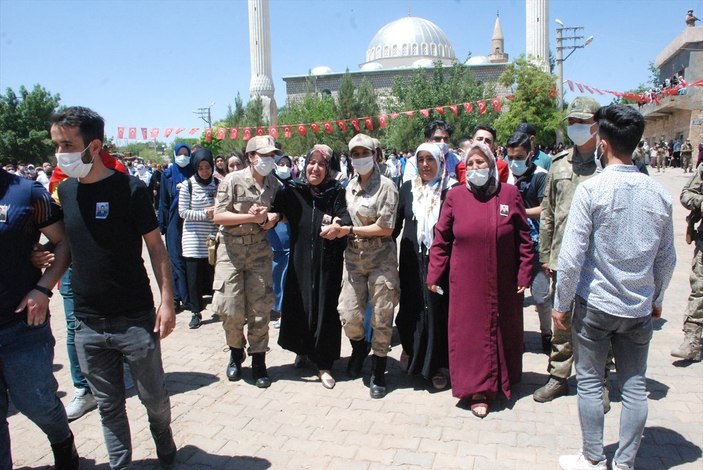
point(534, 101)
point(313, 108)
point(439, 86)
point(24, 124)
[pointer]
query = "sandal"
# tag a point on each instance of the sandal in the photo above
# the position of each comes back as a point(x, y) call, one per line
point(477, 402)
point(439, 381)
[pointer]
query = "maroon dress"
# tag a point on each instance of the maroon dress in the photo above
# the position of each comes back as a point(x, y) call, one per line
point(485, 244)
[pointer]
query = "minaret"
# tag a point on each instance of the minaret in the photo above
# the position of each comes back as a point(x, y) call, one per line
point(497, 54)
point(260, 53)
point(537, 29)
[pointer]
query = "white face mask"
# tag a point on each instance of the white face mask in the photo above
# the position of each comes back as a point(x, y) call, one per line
point(579, 133)
point(264, 165)
point(363, 165)
point(478, 177)
point(183, 160)
point(72, 164)
point(518, 167)
point(443, 148)
point(283, 172)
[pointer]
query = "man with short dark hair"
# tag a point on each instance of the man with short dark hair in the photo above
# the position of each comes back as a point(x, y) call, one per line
point(540, 158)
point(107, 215)
point(615, 263)
point(440, 133)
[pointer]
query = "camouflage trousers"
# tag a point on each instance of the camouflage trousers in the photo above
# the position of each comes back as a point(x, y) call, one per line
point(694, 309)
point(686, 162)
point(370, 275)
point(243, 292)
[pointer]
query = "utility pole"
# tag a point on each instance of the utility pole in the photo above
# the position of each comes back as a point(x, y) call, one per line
point(205, 115)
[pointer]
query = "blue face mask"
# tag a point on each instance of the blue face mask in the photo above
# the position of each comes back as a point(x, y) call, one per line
point(518, 167)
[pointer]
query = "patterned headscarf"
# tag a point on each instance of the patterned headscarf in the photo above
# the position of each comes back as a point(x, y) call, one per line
point(427, 197)
point(492, 185)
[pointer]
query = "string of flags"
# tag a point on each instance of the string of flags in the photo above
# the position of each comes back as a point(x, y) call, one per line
point(381, 121)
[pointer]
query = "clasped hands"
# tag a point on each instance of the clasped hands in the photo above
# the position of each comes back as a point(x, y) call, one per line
point(264, 218)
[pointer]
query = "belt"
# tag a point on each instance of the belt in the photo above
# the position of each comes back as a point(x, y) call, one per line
point(373, 242)
point(243, 239)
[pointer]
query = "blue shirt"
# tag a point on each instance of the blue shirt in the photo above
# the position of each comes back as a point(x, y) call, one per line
point(617, 254)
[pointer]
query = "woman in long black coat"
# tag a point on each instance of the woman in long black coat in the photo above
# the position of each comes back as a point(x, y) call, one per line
point(310, 324)
point(422, 315)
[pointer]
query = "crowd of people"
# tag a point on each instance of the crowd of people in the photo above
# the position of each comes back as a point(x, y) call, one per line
point(450, 238)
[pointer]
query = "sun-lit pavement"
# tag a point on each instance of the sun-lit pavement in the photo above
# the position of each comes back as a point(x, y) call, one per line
point(297, 424)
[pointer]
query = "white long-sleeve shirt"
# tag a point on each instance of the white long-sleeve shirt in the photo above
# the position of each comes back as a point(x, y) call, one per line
point(618, 247)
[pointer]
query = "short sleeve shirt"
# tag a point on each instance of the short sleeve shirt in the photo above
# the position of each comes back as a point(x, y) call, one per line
point(238, 192)
point(376, 203)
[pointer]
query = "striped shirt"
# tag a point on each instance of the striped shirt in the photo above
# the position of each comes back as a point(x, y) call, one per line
point(192, 207)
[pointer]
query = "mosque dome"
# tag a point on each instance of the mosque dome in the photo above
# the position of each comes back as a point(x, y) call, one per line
point(477, 60)
point(403, 42)
point(371, 66)
point(321, 70)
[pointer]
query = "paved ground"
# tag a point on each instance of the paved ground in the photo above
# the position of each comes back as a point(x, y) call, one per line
point(297, 424)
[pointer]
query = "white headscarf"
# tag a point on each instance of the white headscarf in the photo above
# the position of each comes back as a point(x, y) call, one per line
point(427, 197)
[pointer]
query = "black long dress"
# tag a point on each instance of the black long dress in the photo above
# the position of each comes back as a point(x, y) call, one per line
point(422, 315)
point(310, 322)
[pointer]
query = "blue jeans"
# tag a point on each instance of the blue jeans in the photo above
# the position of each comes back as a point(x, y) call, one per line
point(67, 293)
point(26, 361)
point(593, 332)
point(102, 345)
point(279, 238)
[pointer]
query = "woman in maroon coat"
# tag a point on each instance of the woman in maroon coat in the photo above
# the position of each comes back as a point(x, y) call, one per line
point(483, 240)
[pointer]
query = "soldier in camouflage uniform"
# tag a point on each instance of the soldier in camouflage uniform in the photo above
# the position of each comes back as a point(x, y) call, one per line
point(569, 168)
point(371, 264)
point(243, 292)
point(690, 349)
point(686, 154)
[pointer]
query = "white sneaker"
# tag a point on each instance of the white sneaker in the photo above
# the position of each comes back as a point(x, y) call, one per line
point(621, 466)
point(83, 401)
point(579, 462)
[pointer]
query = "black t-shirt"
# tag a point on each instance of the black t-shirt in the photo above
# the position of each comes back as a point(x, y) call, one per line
point(531, 186)
point(105, 222)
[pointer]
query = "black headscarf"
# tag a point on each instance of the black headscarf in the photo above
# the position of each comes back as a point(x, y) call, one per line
point(202, 154)
point(327, 185)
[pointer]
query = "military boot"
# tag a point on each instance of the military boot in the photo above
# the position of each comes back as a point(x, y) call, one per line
point(377, 384)
point(234, 368)
point(258, 370)
point(690, 349)
point(65, 455)
point(360, 349)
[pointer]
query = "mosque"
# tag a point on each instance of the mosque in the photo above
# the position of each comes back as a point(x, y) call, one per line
point(398, 50)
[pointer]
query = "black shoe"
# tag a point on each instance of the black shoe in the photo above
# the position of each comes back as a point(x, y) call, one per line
point(177, 306)
point(66, 455)
point(234, 368)
point(377, 384)
point(195, 321)
point(165, 447)
point(258, 370)
point(546, 343)
point(360, 349)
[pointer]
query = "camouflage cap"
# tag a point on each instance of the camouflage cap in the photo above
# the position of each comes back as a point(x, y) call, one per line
point(362, 140)
point(582, 107)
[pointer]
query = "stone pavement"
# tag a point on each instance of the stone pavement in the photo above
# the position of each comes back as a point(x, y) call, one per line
point(297, 424)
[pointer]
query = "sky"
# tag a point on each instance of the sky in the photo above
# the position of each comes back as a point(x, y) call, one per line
point(151, 63)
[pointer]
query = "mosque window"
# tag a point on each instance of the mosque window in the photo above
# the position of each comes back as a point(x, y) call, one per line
point(424, 48)
point(414, 49)
point(385, 51)
point(395, 50)
point(434, 49)
point(405, 49)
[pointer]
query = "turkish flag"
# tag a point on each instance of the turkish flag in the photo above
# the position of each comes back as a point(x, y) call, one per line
point(120, 132)
point(468, 107)
point(247, 133)
point(193, 130)
point(144, 133)
point(168, 131)
point(179, 130)
point(342, 124)
point(599, 91)
point(588, 89)
point(302, 130)
point(570, 84)
point(495, 102)
point(328, 127)
point(481, 106)
point(382, 121)
point(439, 109)
point(287, 133)
point(580, 87)
point(220, 133)
point(260, 131)
point(273, 132)
point(132, 132)
point(315, 127)
point(355, 124)
point(454, 108)
point(154, 132)
point(409, 113)
point(233, 133)
point(368, 122)
point(425, 112)
point(208, 134)
point(394, 115)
